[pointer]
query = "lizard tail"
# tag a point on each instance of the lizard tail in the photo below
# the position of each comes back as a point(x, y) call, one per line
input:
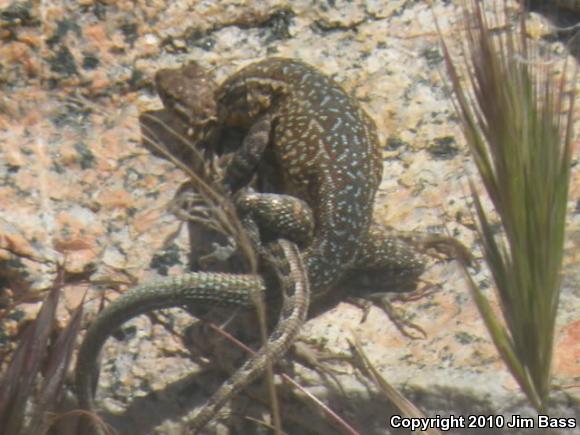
point(295, 289)
point(206, 288)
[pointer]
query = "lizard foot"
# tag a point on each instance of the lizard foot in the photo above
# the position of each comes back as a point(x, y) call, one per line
point(219, 254)
point(399, 317)
point(439, 246)
point(313, 357)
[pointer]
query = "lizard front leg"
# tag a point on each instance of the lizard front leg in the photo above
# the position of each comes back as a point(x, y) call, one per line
point(244, 162)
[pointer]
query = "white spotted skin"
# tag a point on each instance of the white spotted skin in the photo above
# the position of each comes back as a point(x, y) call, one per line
point(326, 147)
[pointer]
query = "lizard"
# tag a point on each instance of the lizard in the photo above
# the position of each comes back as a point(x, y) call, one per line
point(321, 142)
point(326, 147)
point(310, 141)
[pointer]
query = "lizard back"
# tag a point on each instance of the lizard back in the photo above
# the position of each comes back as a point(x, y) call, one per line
point(325, 147)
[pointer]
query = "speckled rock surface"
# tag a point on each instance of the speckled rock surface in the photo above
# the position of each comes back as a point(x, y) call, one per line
point(79, 189)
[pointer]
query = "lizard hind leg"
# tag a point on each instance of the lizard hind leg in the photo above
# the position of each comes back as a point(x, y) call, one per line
point(389, 260)
point(386, 261)
point(277, 216)
point(390, 263)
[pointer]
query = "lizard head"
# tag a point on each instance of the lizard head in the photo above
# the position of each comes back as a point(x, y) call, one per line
point(189, 93)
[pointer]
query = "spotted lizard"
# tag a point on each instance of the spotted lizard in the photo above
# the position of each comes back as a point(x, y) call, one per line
point(323, 149)
point(307, 139)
